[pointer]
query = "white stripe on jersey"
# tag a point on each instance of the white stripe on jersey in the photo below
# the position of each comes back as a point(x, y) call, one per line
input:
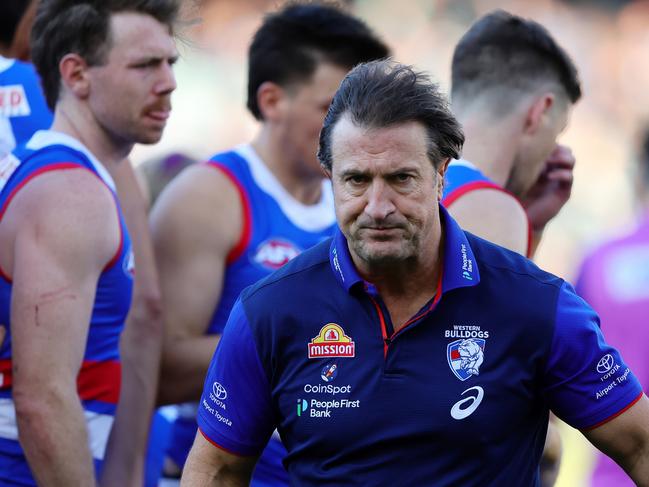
point(98, 426)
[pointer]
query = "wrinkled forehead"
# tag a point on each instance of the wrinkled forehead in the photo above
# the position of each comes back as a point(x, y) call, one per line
point(361, 147)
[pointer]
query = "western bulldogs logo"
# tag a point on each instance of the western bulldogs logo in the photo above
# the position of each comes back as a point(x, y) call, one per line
point(465, 357)
point(274, 253)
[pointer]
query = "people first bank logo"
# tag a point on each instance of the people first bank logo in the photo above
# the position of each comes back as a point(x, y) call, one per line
point(331, 342)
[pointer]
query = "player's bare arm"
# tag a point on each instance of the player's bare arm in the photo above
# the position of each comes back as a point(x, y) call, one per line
point(626, 440)
point(214, 467)
point(140, 344)
point(61, 232)
point(195, 223)
point(493, 215)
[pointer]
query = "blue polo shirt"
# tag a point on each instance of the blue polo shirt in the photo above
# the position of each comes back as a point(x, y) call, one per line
point(458, 396)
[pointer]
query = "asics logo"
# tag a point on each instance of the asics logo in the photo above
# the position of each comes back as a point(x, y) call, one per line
point(459, 412)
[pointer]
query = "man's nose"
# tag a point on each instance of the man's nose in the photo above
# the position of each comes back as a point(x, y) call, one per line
point(167, 82)
point(379, 200)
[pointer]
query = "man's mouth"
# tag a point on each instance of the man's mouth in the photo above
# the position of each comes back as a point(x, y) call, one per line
point(160, 115)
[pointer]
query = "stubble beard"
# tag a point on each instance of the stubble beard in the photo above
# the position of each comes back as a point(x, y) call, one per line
point(377, 259)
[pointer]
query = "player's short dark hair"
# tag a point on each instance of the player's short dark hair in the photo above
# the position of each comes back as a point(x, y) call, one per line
point(82, 27)
point(11, 11)
point(381, 94)
point(292, 41)
point(504, 51)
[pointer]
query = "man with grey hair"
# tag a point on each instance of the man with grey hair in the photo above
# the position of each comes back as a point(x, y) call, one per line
point(404, 350)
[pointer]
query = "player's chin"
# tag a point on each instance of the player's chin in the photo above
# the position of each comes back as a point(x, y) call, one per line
point(150, 136)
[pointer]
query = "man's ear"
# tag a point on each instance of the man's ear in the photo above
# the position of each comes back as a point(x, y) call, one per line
point(441, 172)
point(74, 75)
point(537, 110)
point(270, 100)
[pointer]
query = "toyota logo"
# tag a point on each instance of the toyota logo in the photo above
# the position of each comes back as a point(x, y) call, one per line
point(605, 363)
point(219, 391)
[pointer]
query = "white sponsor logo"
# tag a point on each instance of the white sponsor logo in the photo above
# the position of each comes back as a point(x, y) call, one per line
point(273, 254)
point(466, 331)
point(327, 389)
point(605, 363)
point(216, 414)
point(467, 264)
point(458, 412)
point(323, 409)
point(218, 395)
point(613, 384)
point(219, 391)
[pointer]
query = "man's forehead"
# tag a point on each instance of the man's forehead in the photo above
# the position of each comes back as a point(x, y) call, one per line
point(135, 32)
point(350, 140)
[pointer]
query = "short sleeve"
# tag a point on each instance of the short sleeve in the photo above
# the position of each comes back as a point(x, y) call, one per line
point(235, 411)
point(586, 382)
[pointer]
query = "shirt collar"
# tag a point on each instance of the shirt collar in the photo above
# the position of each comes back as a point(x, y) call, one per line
point(459, 268)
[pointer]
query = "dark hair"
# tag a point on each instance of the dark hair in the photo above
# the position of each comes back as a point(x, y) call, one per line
point(383, 93)
point(291, 42)
point(11, 11)
point(502, 50)
point(82, 27)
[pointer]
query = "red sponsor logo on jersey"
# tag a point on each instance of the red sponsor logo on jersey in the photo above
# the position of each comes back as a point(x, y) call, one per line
point(331, 342)
point(273, 254)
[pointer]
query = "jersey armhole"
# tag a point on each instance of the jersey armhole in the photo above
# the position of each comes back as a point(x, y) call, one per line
point(61, 166)
point(453, 196)
point(246, 231)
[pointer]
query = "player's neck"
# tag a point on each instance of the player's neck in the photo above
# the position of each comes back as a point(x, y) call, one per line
point(301, 183)
point(80, 124)
point(490, 147)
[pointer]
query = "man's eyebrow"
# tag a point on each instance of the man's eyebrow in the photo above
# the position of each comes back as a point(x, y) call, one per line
point(353, 172)
point(404, 169)
point(154, 59)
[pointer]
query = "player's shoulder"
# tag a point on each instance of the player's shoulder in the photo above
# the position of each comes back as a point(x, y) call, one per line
point(509, 267)
point(200, 186)
point(492, 200)
point(495, 215)
point(304, 273)
point(71, 187)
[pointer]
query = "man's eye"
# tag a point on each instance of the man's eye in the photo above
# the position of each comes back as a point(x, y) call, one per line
point(147, 64)
point(356, 179)
point(403, 178)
